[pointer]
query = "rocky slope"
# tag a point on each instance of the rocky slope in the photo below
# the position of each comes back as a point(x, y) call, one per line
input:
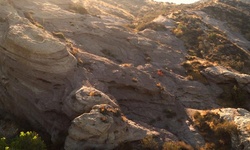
point(99, 73)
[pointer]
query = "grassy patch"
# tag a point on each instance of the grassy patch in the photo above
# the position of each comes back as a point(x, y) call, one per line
point(193, 68)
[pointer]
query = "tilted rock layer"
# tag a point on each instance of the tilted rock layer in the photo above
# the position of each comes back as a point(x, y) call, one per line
point(80, 71)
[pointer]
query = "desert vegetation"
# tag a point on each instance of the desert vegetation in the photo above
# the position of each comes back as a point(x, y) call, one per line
point(236, 14)
point(25, 141)
point(233, 96)
point(205, 42)
point(149, 143)
point(216, 131)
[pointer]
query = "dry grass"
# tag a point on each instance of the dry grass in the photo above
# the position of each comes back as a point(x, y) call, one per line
point(248, 127)
point(180, 145)
point(95, 93)
point(210, 44)
point(215, 130)
point(194, 66)
point(149, 143)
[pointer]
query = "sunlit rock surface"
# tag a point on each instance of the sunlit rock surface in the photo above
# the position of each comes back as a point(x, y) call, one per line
point(77, 71)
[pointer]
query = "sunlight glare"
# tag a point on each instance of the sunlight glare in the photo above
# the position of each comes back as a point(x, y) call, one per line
point(178, 1)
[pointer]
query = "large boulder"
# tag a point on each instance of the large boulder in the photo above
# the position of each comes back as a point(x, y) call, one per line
point(82, 100)
point(104, 127)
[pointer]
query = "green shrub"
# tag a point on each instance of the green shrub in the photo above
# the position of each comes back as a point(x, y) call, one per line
point(3, 144)
point(25, 141)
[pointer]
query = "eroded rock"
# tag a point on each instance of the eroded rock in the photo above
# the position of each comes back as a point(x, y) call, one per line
point(241, 118)
point(82, 100)
point(104, 127)
point(35, 73)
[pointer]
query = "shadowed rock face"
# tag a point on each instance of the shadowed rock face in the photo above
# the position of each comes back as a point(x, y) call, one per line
point(36, 71)
point(75, 67)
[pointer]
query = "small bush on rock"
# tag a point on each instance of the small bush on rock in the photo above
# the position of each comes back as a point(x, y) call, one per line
point(149, 143)
point(180, 145)
point(216, 131)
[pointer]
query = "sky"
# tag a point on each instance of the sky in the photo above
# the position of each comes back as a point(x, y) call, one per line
point(178, 1)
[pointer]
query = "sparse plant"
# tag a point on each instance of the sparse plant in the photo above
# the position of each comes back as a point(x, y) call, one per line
point(104, 119)
point(95, 93)
point(160, 86)
point(25, 141)
point(3, 143)
point(149, 143)
point(216, 131)
point(208, 146)
point(180, 145)
point(124, 146)
point(233, 96)
point(212, 36)
point(210, 44)
point(152, 25)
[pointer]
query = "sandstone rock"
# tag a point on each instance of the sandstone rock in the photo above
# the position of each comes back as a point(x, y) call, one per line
point(35, 73)
point(112, 68)
point(220, 74)
point(82, 100)
point(103, 128)
point(241, 118)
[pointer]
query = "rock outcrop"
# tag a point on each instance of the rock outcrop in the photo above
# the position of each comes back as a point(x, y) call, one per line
point(81, 71)
point(241, 118)
point(220, 74)
point(103, 127)
point(39, 75)
point(36, 71)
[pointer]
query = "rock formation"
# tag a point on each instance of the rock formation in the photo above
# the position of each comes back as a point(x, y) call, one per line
point(241, 118)
point(102, 128)
point(98, 73)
